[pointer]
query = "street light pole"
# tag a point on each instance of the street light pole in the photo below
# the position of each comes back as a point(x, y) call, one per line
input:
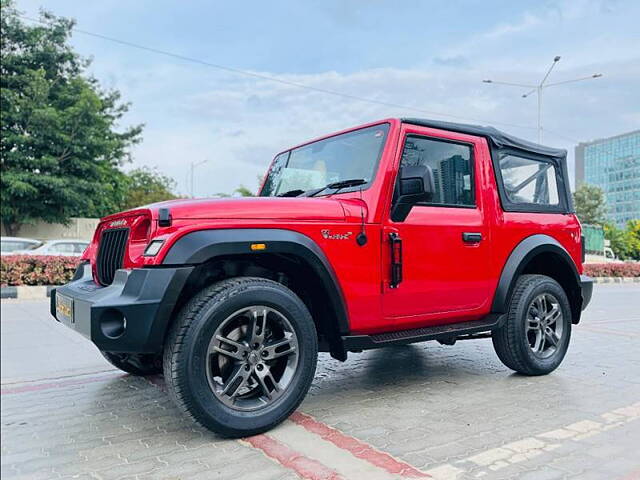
point(537, 89)
point(193, 167)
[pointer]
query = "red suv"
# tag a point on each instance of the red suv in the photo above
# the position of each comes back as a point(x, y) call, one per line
point(399, 231)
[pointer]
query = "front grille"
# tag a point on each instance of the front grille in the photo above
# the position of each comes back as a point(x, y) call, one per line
point(111, 253)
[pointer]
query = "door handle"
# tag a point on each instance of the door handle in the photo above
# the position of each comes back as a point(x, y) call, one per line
point(471, 237)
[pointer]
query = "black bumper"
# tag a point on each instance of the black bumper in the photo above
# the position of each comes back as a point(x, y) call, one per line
point(130, 315)
point(586, 284)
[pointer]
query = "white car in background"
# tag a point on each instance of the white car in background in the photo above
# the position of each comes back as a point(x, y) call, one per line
point(11, 245)
point(65, 247)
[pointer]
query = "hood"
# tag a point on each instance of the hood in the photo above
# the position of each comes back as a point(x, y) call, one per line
point(256, 208)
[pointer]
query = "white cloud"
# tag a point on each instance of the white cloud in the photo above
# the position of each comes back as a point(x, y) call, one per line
point(527, 22)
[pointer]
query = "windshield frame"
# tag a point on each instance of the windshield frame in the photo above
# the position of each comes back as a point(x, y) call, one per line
point(363, 187)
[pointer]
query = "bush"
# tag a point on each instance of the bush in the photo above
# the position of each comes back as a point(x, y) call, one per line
point(16, 270)
point(612, 269)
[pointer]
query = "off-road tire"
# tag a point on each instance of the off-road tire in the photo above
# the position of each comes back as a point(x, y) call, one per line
point(186, 346)
point(510, 340)
point(135, 363)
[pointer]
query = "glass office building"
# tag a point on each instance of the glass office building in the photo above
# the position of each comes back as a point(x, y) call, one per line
point(613, 164)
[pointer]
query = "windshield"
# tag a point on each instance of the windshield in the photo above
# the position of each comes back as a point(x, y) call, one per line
point(353, 155)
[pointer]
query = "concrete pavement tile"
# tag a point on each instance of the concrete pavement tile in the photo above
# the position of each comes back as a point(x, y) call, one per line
point(121, 470)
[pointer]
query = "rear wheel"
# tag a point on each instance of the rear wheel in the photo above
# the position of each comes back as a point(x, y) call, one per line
point(535, 337)
point(135, 363)
point(241, 356)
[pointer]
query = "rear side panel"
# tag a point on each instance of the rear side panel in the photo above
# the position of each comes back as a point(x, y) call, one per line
point(515, 227)
point(514, 223)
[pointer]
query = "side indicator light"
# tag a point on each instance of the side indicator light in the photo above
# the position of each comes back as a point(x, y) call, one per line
point(153, 248)
point(258, 246)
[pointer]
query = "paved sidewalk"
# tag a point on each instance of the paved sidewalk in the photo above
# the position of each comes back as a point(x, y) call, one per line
point(404, 412)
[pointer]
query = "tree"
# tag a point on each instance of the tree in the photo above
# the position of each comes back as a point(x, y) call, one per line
point(242, 191)
point(60, 147)
point(633, 238)
point(590, 204)
point(147, 186)
point(618, 239)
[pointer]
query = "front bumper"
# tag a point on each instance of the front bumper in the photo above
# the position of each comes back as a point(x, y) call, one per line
point(586, 285)
point(130, 315)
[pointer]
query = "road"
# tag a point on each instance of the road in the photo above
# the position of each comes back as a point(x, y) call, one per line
point(426, 410)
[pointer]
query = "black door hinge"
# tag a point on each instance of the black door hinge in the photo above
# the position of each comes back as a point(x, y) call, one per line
point(396, 259)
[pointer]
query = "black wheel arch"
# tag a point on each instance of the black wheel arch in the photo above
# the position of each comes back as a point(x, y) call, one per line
point(295, 252)
point(539, 254)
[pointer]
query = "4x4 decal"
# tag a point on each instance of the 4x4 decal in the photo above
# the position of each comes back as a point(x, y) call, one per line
point(335, 236)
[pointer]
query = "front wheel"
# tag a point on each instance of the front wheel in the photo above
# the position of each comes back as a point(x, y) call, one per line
point(241, 356)
point(535, 337)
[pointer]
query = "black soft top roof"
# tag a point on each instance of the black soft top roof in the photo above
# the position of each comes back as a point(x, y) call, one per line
point(496, 137)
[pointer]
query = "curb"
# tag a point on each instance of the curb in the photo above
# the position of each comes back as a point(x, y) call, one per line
point(616, 279)
point(44, 291)
point(27, 292)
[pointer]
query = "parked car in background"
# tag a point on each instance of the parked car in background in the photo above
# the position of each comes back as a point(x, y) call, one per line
point(607, 256)
point(10, 245)
point(66, 247)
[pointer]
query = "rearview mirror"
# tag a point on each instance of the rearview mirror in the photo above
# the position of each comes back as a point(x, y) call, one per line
point(415, 185)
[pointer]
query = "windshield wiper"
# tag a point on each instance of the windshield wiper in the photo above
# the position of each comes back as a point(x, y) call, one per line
point(291, 193)
point(352, 182)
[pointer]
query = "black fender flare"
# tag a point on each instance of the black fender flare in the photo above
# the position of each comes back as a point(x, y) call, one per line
point(517, 261)
point(203, 245)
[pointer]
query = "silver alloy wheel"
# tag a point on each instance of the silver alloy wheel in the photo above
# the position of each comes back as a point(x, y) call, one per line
point(252, 358)
point(544, 325)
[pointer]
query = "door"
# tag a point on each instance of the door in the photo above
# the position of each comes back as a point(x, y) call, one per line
point(444, 241)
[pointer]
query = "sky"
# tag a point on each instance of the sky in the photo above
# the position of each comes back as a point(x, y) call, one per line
point(428, 58)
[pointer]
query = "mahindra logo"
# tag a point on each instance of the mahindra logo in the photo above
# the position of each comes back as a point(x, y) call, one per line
point(335, 236)
point(118, 223)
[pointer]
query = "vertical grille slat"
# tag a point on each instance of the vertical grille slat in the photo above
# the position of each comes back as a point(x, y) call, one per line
point(113, 247)
point(120, 246)
point(108, 252)
point(111, 254)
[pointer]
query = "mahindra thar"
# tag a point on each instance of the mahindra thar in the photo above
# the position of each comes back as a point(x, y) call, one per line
point(399, 231)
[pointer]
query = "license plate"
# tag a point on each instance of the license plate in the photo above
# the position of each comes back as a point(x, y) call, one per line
point(64, 308)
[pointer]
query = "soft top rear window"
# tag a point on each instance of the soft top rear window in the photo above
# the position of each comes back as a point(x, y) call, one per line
point(529, 183)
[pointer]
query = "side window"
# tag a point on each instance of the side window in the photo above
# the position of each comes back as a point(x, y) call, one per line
point(62, 248)
point(79, 248)
point(528, 181)
point(451, 166)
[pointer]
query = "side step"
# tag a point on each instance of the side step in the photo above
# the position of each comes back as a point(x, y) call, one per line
point(440, 332)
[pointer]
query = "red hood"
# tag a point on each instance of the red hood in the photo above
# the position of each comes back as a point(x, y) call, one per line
point(259, 208)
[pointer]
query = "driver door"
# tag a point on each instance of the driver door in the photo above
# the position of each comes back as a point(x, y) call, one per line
point(445, 243)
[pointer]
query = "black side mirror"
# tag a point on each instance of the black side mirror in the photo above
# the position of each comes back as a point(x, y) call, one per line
point(415, 185)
